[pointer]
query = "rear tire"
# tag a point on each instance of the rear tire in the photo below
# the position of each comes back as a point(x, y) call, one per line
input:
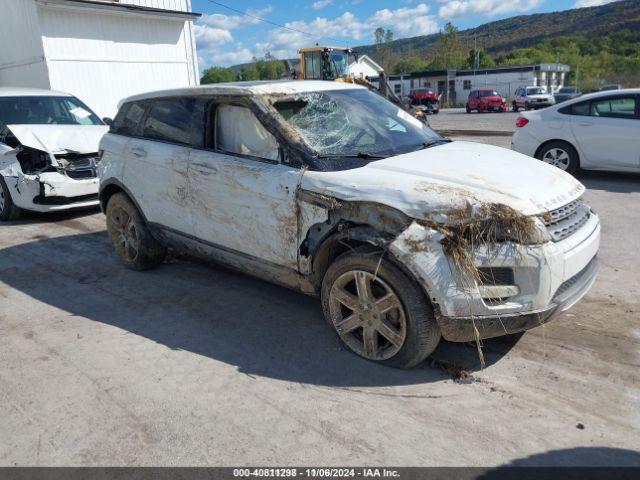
point(130, 236)
point(378, 311)
point(561, 155)
point(8, 210)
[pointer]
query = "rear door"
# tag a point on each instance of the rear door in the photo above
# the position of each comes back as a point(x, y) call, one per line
point(607, 131)
point(157, 160)
point(246, 194)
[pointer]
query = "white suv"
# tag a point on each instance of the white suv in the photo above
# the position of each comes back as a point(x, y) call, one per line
point(532, 98)
point(330, 189)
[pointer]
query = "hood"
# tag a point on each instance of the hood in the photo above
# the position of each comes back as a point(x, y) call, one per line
point(428, 184)
point(60, 138)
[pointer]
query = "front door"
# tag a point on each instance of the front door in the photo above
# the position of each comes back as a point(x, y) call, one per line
point(608, 133)
point(246, 195)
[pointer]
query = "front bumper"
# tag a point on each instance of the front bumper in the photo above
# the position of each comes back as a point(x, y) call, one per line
point(498, 107)
point(463, 329)
point(52, 191)
point(550, 278)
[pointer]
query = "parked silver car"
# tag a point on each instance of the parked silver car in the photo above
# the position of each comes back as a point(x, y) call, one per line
point(566, 93)
point(532, 98)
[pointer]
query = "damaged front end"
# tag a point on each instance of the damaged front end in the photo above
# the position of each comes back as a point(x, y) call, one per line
point(487, 269)
point(41, 175)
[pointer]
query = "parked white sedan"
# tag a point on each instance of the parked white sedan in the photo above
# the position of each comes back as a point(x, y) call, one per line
point(48, 152)
point(600, 131)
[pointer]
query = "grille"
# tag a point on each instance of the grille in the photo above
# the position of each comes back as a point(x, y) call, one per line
point(567, 220)
point(79, 166)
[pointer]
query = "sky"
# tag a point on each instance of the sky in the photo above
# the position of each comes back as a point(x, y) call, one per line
point(225, 37)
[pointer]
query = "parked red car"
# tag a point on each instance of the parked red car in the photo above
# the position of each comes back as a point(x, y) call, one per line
point(426, 99)
point(486, 100)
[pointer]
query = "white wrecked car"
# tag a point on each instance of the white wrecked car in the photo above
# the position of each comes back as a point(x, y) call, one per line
point(48, 152)
point(332, 190)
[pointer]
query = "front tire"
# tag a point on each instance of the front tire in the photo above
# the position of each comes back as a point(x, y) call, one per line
point(515, 107)
point(8, 210)
point(468, 108)
point(561, 155)
point(130, 236)
point(377, 310)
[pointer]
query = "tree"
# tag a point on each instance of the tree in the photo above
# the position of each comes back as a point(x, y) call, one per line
point(410, 65)
point(449, 50)
point(484, 60)
point(383, 47)
point(217, 75)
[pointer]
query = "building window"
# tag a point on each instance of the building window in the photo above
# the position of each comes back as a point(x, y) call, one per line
point(466, 84)
point(412, 83)
point(427, 84)
point(397, 88)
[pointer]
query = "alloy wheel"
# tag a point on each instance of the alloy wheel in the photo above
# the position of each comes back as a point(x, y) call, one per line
point(2, 199)
point(558, 158)
point(368, 315)
point(125, 233)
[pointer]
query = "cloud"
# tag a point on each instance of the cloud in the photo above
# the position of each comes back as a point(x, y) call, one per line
point(213, 37)
point(321, 4)
point(404, 22)
point(591, 3)
point(485, 8)
point(230, 22)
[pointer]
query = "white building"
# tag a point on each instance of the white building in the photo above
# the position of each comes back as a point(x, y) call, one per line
point(460, 82)
point(98, 50)
point(364, 67)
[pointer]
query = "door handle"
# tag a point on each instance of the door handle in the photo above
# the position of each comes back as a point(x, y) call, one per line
point(139, 152)
point(584, 124)
point(204, 168)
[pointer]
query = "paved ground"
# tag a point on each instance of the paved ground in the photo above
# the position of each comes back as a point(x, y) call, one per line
point(458, 119)
point(193, 364)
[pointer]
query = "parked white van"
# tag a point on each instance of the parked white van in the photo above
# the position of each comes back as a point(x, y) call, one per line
point(330, 189)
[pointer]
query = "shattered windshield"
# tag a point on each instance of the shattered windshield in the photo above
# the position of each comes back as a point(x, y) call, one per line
point(354, 123)
point(45, 110)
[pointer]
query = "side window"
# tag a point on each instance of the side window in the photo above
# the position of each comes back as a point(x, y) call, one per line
point(617, 107)
point(239, 131)
point(312, 64)
point(177, 120)
point(128, 118)
point(580, 109)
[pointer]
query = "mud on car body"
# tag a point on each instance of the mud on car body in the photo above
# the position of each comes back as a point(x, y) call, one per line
point(330, 189)
point(48, 152)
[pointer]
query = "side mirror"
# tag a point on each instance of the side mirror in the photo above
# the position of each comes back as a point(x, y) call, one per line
point(108, 120)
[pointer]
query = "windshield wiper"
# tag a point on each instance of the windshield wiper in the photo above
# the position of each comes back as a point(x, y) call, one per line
point(433, 143)
point(366, 156)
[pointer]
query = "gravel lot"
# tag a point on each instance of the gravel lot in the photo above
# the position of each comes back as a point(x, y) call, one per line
point(192, 364)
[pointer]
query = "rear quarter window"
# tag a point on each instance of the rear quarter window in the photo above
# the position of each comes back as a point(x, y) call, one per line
point(176, 120)
point(128, 119)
